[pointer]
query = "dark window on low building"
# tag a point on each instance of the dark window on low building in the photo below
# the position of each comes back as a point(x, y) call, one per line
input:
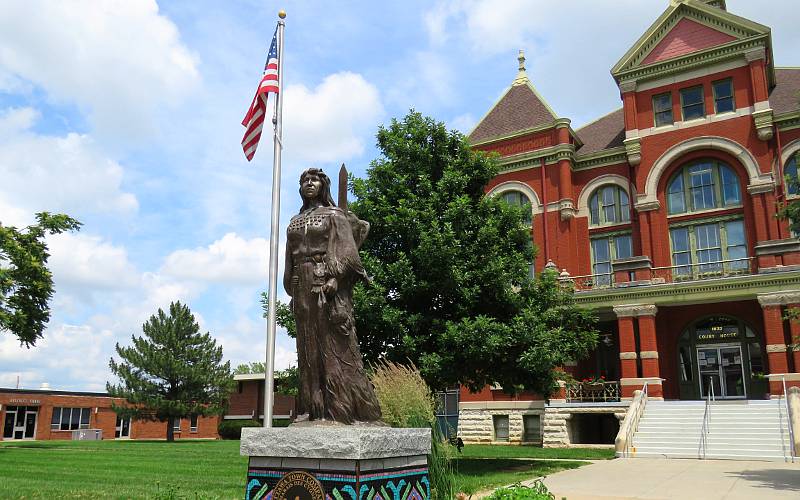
point(500, 427)
point(193, 423)
point(531, 428)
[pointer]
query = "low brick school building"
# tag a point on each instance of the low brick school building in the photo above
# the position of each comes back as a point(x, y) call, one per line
point(662, 216)
point(44, 414)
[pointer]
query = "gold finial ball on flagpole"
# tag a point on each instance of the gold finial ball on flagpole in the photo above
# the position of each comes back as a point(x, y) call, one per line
point(282, 14)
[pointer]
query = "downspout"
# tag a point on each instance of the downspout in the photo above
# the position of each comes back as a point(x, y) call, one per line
point(544, 214)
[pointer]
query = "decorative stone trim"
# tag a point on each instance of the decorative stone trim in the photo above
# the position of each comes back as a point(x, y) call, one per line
point(596, 183)
point(648, 354)
point(775, 247)
point(536, 205)
point(646, 206)
point(755, 54)
point(629, 310)
point(741, 153)
point(779, 298)
point(611, 156)
point(761, 187)
point(627, 355)
point(561, 122)
point(566, 209)
point(744, 287)
point(641, 381)
point(627, 86)
point(501, 405)
point(763, 121)
point(776, 348)
point(633, 148)
point(632, 263)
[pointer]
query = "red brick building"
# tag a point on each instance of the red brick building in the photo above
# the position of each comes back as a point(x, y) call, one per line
point(663, 216)
point(48, 414)
point(247, 400)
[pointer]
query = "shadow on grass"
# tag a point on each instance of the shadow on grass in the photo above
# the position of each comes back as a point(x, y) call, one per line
point(477, 474)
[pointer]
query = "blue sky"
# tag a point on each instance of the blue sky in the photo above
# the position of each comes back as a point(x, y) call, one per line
point(126, 115)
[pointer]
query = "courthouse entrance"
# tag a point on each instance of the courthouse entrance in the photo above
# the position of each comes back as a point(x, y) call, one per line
point(724, 353)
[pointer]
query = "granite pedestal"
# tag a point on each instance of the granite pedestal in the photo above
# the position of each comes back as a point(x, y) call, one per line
point(350, 462)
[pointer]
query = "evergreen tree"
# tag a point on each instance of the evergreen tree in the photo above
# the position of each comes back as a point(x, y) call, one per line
point(173, 371)
point(451, 287)
point(26, 285)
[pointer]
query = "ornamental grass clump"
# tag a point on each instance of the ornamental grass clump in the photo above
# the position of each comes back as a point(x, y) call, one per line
point(407, 401)
point(405, 398)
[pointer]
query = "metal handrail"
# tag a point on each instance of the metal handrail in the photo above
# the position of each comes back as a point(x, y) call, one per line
point(789, 418)
point(705, 429)
point(635, 422)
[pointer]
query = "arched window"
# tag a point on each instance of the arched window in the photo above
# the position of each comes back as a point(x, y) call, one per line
point(703, 185)
point(609, 205)
point(790, 172)
point(518, 199)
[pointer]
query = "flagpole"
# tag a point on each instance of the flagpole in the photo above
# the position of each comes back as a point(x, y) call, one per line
point(274, 236)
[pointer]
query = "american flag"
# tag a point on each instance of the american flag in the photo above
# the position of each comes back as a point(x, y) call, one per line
point(254, 119)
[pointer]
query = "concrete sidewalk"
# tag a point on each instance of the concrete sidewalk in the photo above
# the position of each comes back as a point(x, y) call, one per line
point(640, 478)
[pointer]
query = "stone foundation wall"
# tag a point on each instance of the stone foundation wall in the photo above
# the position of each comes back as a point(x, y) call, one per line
point(477, 425)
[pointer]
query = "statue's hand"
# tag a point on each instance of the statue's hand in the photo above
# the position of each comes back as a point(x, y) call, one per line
point(330, 287)
point(295, 281)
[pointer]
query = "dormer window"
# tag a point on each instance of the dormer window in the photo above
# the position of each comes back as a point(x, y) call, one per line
point(723, 96)
point(692, 103)
point(662, 109)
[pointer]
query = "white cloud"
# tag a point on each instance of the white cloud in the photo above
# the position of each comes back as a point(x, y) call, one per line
point(232, 260)
point(82, 261)
point(120, 60)
point(55, 173)
point(329, 122)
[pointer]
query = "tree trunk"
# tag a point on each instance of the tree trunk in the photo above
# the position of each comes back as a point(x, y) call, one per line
point(170, 431)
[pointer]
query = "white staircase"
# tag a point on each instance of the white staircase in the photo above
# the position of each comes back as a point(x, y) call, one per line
point(737, 430)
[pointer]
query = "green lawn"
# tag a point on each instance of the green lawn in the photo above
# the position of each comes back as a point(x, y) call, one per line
point(207, 469)
point(477, 474)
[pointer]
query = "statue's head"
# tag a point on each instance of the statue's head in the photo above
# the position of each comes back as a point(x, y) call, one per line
point(315, 185)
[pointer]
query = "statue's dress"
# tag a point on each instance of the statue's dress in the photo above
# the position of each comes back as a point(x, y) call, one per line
point(333, 385)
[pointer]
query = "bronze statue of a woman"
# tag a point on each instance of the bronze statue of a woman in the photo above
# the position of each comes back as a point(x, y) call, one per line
point(322, 265)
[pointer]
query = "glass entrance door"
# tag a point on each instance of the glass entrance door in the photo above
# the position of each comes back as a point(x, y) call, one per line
point(123, 429)
point(721, 367)
point(20, 422)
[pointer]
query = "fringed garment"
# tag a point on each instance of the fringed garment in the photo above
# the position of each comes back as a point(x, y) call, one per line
point(320, 250)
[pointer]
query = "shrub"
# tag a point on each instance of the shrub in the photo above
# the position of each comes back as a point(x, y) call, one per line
point(232, 429)
point(538, 491)
point(407, 401)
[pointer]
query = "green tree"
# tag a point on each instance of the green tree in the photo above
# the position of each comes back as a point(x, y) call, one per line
point(26, 285)
point(451, 288)
point(173, 371)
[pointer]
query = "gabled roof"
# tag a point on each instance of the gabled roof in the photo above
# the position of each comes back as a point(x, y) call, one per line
point(785, 97)
point(604, 133)
point(520, 108)
point(688, 27)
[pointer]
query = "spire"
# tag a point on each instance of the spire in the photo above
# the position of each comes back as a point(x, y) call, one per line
point(522, 77)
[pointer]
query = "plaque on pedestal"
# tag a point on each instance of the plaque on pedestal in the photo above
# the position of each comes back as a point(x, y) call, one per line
point(336, 462)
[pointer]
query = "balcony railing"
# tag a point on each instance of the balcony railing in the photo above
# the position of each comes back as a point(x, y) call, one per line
point(698, 271)
point(669, 274)
point(600, 392)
